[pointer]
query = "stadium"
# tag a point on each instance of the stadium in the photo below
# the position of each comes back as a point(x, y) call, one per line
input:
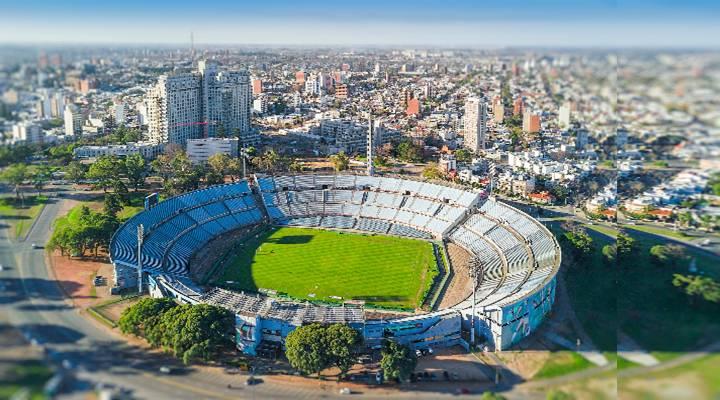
point(390, 257)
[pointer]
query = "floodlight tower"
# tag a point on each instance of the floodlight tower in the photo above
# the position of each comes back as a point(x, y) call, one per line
point(474, 272)
point(140, 236)
point(371, 133)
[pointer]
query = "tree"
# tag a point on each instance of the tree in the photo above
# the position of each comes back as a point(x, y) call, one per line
point(268, 161)
point(409, 152)
point(340, 161)
point(463, 155)
point(666, 255)
point(685, 218)
point(143, 315)
point(431, 171)
point(135, 170)
point(398, 361)
point(609, 252)
point(193, 331)
point(218, 163)
point(342, 342)
point(625, 247)
point(15, 175)
point(306, 349)
point(106, 170)
point(75, 172)
point(698, 286)
point(41, 176)
point(113, 204)
point(582, 243)
point(295, 166)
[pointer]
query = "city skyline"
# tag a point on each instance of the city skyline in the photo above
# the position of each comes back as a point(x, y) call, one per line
point(450, 24)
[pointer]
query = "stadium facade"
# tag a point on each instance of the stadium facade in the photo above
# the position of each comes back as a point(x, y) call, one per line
point(520, 257)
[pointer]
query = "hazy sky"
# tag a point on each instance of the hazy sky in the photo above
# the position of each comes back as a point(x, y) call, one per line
point(467, 23)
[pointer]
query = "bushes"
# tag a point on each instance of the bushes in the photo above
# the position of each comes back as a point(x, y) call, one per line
point(191, 332)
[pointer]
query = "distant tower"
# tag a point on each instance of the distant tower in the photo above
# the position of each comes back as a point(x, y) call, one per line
point(192, 48)
point(371, 133)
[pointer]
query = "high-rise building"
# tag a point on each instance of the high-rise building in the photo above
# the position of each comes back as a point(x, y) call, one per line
point(531, 122)
point(518, 106)
point(226, 101)
point(174, 108)
point(119, 112)
point(206, 103)
point(313, 85)
point(73, 120)
point(564, 116)
point(581, 138)
point(475, 121)
point(341, 91)
point(300, 77)
point(499, 112)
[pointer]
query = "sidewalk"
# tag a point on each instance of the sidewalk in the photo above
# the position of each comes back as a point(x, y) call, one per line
point(628, 349)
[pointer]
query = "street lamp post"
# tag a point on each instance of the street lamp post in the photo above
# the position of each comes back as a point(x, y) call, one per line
point(474, 270)
point(140, 236)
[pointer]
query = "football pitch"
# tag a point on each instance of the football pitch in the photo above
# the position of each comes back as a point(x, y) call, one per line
point(333, 266)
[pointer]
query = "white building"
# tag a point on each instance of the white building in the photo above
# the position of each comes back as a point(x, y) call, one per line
point(119, 112)
point(28, 132)
point(226, 100)
point(174, 109)
point(202, 104)
point(73, 120)
point(313, 85)
point(200, 150)
point(475, 121)
point(564, 116)
point(148, 150)
point(260, 105)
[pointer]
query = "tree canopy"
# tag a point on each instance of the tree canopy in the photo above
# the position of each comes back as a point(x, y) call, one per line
point(190, 332)
point(315, 347)
point(398, 361)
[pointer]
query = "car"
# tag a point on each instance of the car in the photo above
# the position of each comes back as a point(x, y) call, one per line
point(165, 370)
point(378, 377)
point(418, 353)
point(251, 380)
point(34, 246)
point(345, 391)
point(2, 268)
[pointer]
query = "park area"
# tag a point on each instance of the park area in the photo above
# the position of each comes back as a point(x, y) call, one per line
point(332, 266)
point(19, 214)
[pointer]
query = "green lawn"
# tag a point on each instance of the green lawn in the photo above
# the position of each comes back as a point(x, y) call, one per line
point(658, 315)
point(656, 230)
point(20, 214)
point(562, 363)
point(29, 375)
point(315, 264)
point(592, 291)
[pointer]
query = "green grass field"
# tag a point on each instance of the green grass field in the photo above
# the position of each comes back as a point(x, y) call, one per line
point(21, 214)
point(315, 264)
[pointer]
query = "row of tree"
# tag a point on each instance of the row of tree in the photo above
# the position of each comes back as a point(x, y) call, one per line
point(190, 332)
point(316, 347)
point(88, 230)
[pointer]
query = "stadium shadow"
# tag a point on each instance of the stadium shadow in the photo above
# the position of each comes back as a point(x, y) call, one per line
point(15, 290)
point(293, 239)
